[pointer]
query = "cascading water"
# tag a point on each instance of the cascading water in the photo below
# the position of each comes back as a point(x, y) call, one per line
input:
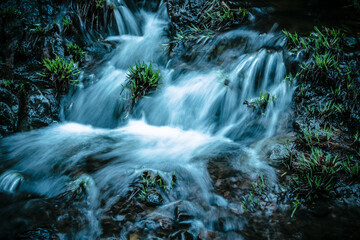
point(194, 119)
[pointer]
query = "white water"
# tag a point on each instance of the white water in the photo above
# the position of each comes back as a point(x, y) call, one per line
point(191, 118)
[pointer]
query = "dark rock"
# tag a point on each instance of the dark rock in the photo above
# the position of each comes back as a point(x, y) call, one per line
point(8, 120)
point(38, 234)
point(10, 99)
point(39, 112)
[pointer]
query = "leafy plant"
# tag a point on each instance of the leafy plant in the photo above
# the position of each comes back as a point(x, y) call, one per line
point(40, 30)
point(150, 182)
point(315, 175)
point(99, 3)
point(297, 203)
point(61, 72)
point(75, 51)
point(142, 79)
point(13, 86)
point(352, 169)
point(324, 61)
point(66, 22)
point(292, 38)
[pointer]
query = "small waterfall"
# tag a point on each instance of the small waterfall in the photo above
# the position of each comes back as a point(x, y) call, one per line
point(195, 118)
point(126, 21)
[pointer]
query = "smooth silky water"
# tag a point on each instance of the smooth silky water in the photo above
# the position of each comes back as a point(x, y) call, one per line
point(194, 116)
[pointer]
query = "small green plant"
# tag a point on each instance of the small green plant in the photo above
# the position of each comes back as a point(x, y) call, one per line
point(66, 22)
point(99, 3)
point(8, 83)
point(75, 51)
point(243, 12)
point(142, 79)
point(297, 203)
point(292, 38)
point(263, 100)
point(357, 137)
point(150, 182)
point(315, 176)
point(12, 86)
point(61, 72)
point(352, 169)
point(40, 30)
point(324, 62)
point(290, 157)
point(260, 103)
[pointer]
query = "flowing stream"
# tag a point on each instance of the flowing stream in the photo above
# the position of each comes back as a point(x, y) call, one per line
point(195, 118)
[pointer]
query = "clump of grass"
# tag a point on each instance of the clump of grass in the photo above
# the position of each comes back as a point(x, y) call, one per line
point(61, 72)
point(75, 51)
point(40, 30)
point(219, 14)
point(351, 168)
point(257, 195)
point(329, 39)
point(264, 100)
point(99, 3)
point(142, 79)
point(316, 175)
point(66, 22)
point(216, 17)
point(290, 157)
point(292, 39)
point(260, 103)
point(13, 86)
point(150, 182)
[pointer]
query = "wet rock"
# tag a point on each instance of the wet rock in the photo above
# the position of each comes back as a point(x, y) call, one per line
point(10, 99)
point(153, 199)
point(39, 112)
point(8, 120)
point(9, 108)
point(50, 94)
point(38, 234)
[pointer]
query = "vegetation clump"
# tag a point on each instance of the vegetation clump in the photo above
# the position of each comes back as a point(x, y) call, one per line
point(75, 51)
point(67, 22)
point(141, 80)
point(61, 72)
point(260, 103)
point(151, 184)
point(326, 100)
point(218, 16)
point(40, 30)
